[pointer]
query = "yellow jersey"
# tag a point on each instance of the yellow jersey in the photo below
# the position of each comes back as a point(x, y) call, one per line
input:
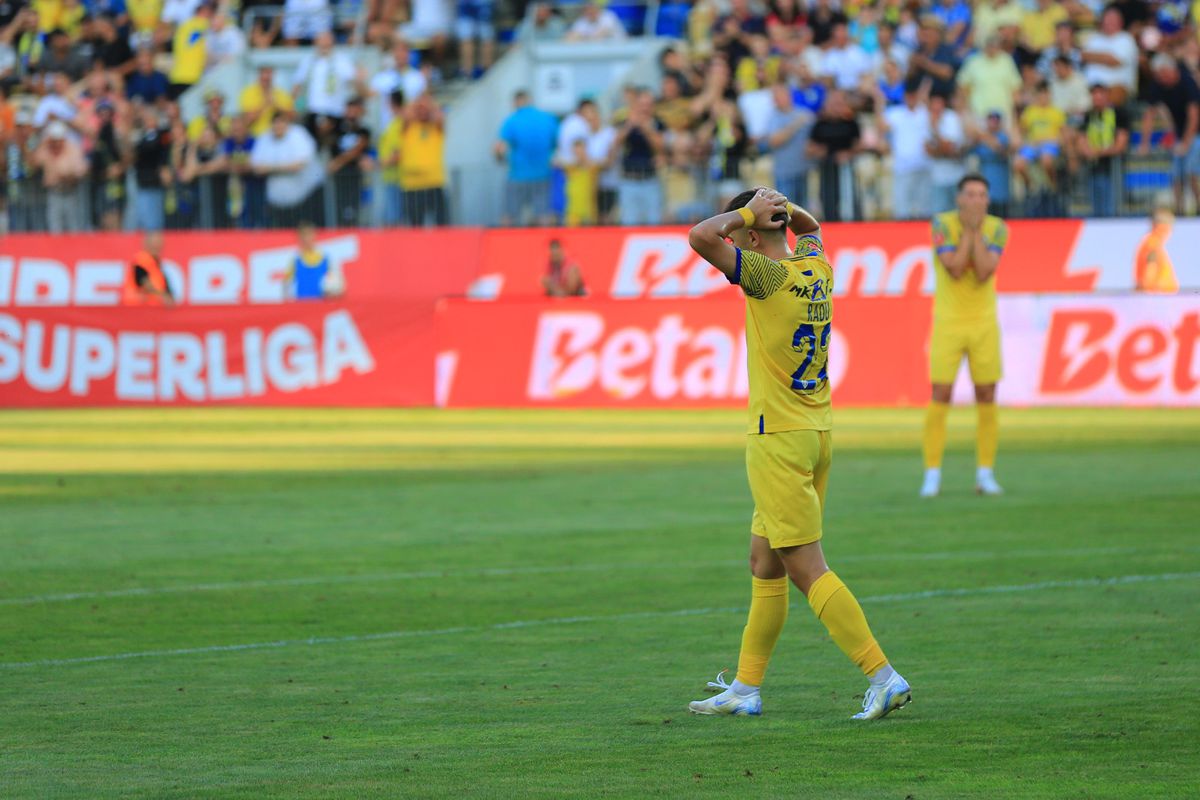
point(1043, 123)
point(253, 99)
point(389, 146)
point(789, 317)
point(144, 14)
point(422, 157)
point(581, 185)
point(189, 51)
point(965, 298)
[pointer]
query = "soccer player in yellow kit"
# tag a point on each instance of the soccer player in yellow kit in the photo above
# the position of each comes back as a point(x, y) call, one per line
point(789, 311)
point(967, 245)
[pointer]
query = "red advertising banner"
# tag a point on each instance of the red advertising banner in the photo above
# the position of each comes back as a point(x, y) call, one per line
point(869, 259)
point(1131, 350)
point(236, 267)
point(304, 354)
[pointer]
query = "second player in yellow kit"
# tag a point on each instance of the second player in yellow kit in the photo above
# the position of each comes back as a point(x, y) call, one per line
point(789, 316)
point(967, 245)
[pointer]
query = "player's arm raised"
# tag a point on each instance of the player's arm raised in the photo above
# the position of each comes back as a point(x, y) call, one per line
point(802, 223)
point(709, 238)
point(955, 256)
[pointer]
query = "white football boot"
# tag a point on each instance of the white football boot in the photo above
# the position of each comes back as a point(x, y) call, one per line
point(883, 700)
point(985, 482)
point(728, 701)
point(932, 484)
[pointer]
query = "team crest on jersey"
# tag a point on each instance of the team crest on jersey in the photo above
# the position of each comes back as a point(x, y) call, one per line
point(818, 290)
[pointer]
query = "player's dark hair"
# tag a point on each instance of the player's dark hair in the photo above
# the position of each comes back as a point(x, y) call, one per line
point(973, 177)
point(743, 199)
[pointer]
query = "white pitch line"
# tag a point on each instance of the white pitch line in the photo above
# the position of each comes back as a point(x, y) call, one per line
point(1120, 580)
point(396, 577)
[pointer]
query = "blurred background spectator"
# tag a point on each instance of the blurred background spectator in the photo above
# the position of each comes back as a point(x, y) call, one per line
point(196, 113)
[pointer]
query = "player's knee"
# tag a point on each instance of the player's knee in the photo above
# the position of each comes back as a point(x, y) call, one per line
point(941, 392)
point(766, 568)
point(985, 393)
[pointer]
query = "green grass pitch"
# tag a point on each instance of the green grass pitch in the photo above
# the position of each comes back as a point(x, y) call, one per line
point(354, 604)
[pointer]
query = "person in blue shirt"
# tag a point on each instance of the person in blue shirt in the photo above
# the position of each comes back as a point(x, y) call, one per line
point(310, 277)
point(527, 141)
point(993, 147)
point(146, 83)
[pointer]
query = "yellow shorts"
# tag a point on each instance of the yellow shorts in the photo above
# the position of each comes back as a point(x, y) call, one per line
point(979, 341)
point(788, 474)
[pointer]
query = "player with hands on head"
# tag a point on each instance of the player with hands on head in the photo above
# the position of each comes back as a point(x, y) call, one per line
point(789, 313)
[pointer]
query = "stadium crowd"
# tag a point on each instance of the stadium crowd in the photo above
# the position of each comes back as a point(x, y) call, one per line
point(865, 110)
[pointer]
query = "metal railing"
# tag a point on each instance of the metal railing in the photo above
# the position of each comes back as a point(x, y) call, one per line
point(352, 198)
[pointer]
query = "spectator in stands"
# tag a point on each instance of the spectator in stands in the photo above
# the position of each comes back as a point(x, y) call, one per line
point(672, 62)
point(151, 168)
point(823, 18)
point(673, 109)
point(600, 140)
point(213, 117)
point(110, 47)
point(787, 139)
point(399, 76)
point(245, 191)
point(62, 166)
point(203, 170)
point(542, 25)
point(326, 78)
point(563, 277)
point(189, 53)
point(845, 63)
point(475, 22)
point(992, 147)
point(1173, 94)
point(527, 141)
point(945, 148)
point(107, 162)
point(1042, 126)
point(430, 25)
point(56, 104)
point(226, 42)
point(597, 23)
point(26, 212)
point(390, 143)
point(146, 83)
point(175, 12)
point(1039, 26)
point(1063, 47)
point(1110, 57)
point(835, 140)
point(990, 17)
point(146, 283)
point(582, 179)
point(62, 56)
point(907, 130)
point(262, 100)
point(1069, 91)
point(306, 21)
point(423, 164)
point(682, 179)
point(990, 81)
point(956, 21)
point(287, 157)
point(639, 144)
point(348, 161)
point(935, 60)
point(1103, 139)
point(890, 49)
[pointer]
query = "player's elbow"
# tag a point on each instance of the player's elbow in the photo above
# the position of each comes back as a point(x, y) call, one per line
point(700, 239)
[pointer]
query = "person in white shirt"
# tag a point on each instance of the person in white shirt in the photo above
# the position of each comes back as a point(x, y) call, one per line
point(945, 147)
point(327, 80)
point(890, 49)
point(287, 156)
point(600, 140)
point(573, 127)
point(908, 131)
point(596, 24)
point(1110, 58)
point(844, 62)
point(225, 41)
point(305, 20)
point(401, 76)
point(176, 11)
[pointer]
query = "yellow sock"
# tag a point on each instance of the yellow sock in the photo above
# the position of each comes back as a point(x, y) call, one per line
point(987, 435)
point(841, 614)
point(768, 612)
point(935, 433)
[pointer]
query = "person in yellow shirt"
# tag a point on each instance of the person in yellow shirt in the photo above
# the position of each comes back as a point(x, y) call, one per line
point(1153, 270)
point(389, 162)
point(144, 17)
point(262, 100)
point(1037, 27)
point(189, 51)
point(213, 117)
point(583, 176)
point(1042, 125)
point(422, 163)
point(967, 245)
point(789, 447)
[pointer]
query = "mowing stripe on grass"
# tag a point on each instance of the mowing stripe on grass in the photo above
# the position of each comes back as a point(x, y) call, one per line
point(392, 577)
point(532, 623)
